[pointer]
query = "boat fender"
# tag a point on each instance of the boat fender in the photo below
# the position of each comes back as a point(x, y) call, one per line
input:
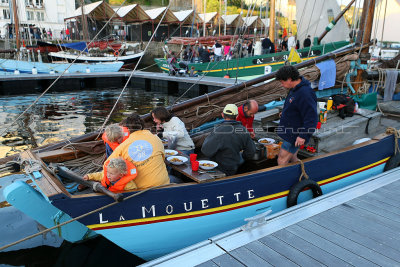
point(297, 188)
point(393, 162)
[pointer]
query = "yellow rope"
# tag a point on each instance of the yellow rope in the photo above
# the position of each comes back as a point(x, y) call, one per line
point(303, 171)
point(396, 133)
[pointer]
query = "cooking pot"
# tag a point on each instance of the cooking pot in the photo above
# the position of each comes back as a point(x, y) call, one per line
point(260, 152)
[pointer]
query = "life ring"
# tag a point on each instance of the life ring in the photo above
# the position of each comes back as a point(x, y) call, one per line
point(296, 189)
point(116, 53)
point(393, 162)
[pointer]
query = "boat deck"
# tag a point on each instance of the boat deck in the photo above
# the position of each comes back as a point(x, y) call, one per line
point(356, 226)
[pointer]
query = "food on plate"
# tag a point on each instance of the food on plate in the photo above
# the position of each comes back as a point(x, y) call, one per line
point(175, 160)
point(170, 153)
point(207, 165)
point(265, 141)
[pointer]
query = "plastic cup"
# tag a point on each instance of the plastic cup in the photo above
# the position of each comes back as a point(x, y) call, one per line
point(193, 157)
point(195, 165)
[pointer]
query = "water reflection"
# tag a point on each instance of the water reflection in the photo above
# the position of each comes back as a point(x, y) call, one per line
point(58, 116)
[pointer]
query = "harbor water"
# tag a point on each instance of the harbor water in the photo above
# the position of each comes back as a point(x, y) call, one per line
point(55, 117)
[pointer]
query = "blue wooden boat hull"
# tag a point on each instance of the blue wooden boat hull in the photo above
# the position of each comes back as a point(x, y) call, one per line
point(164, 220)
point(10, 65)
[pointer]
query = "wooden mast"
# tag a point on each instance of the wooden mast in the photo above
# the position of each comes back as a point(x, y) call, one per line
point(364, 37)
point(84, 22)
point(16, 24)
point(272, 21)
point(334, 21)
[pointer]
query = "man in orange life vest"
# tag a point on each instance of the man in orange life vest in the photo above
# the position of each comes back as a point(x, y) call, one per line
point(246, 115)
point(113, 136)
point(117, 175)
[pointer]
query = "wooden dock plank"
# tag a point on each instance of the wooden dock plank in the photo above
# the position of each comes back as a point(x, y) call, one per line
point(226, 260)
point(327, 245)
point(387, 192)
point(269, 255)
point(250, 259)
point(390, 227)
point(370, 242)
point(383, 198)
point(309, 249)
point(378, 210)
point(344, 242)
point(369, 199)
point(291, 253)
point(207, 264)
point(362, 229)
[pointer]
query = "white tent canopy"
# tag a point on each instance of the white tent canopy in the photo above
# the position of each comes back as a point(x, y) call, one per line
point(208, 17)
point(230, 19)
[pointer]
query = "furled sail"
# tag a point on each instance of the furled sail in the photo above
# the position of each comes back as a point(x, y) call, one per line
point(313, 16)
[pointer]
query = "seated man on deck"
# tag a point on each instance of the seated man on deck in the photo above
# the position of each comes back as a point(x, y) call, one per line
point(246, 115)
point(146, 152)
point(117, 175)
point(225, 143)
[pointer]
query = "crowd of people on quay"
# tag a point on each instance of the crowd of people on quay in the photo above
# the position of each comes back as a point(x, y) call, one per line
point(136, 155)
point(223, 50)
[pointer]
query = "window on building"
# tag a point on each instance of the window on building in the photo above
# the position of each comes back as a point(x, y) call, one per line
point(60, 17)
point(6, 14)
point(38, 3)
point(4, 1)
point(30, 15)
point(40, 16)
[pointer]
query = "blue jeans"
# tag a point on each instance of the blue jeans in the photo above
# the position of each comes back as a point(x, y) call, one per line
point(289, 147)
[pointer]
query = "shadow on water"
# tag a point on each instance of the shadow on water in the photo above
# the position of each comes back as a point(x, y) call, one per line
point(95, 252)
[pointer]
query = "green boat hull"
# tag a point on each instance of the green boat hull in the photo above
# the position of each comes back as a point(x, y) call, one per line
point(257, 65)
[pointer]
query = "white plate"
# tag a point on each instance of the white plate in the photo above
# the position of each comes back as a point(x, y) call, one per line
point(182, 160)
point(269, 141)
point(170, 152)
point(207, 162)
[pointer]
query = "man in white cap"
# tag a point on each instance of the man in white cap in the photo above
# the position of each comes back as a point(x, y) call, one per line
point(224, 144)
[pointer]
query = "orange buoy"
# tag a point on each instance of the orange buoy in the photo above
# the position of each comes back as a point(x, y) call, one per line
point(226, 76)
point(116, 53)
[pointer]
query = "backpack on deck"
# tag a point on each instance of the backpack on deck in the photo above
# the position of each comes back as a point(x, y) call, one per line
point(344, 104)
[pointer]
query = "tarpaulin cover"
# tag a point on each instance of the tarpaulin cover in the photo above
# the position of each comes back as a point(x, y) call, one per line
point(81, 46)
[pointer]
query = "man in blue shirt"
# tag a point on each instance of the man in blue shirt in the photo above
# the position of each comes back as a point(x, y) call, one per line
point(299, 115)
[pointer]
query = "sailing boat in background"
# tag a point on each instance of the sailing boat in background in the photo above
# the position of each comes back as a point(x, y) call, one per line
point(263, 64)
point(323, 14)
point(108, 49)
point(24, 64)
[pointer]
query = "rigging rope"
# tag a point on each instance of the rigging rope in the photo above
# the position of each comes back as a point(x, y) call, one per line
point(80, 217)
point(130, 76)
